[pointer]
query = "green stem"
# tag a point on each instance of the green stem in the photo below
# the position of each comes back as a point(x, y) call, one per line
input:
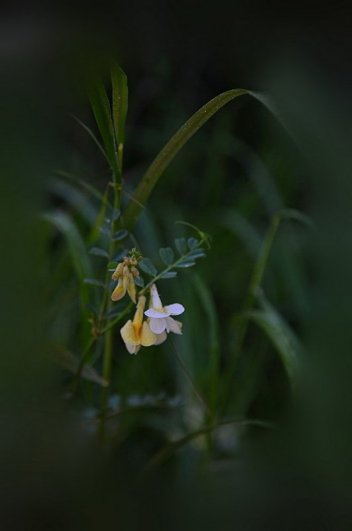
point(106, 308)
point(255, 282)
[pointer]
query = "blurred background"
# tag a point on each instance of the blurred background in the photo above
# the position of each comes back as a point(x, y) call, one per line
point(244, 166)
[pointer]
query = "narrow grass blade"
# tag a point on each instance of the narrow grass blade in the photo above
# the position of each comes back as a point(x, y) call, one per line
point(93, 137)
point(102, 112)
point(280, 334)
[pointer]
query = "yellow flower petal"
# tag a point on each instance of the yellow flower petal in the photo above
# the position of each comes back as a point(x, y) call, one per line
point(131, 288)
point(139, 315)
point(132, 349)
point(119, 291)
point(148, 337)
point(129, 335)
point(118, 272)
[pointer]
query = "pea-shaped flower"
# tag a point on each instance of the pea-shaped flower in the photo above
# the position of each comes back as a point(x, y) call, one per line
point(137, 333)
point(125, 274)
point(160, 316)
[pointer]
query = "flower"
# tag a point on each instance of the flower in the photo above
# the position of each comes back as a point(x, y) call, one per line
point(160, 319)
point(125, 273)
point(137, 333)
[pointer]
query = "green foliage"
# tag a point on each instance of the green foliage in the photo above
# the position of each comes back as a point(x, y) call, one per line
point(224, 319)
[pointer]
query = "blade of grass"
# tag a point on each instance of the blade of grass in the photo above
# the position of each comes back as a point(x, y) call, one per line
point(168, 450)
point(170, 150)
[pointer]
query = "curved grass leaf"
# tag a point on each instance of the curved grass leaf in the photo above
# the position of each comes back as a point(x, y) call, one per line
point(93, 137)
point(170, 150)
point(120, 234)
point(79, 257)
point(97, 251)
point(170, 448)
point(280, 334)
point(76, 246)
point(87, 186)
point(94, 282)
point(76, 198)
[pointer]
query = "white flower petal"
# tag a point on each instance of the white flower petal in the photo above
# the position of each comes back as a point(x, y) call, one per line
point(156, 302)
point(155, 313)
point(173, 326)
point(175, 309)
point(157, 325)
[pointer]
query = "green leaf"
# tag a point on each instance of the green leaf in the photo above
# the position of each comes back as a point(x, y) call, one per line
point(79, 257)
point(181, 245)
point(84, 184)
point(120, 255)
point(74, 240)
point(197, 253)
point(102, 112)
point(192, 243)
point(167, 255)
point(119, 101)
point(112, 265)
point(78, 199)
point(292, 214)
point(97, 251)
point(70, 362)
point(169, 274)
point(120, 235)
point(170, 150)
point(94, 282)
point(148, 267)
point(185, 263)
point(139, 282)
point(283, 338)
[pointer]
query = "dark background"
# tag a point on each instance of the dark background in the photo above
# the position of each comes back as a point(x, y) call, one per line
point(177, 56)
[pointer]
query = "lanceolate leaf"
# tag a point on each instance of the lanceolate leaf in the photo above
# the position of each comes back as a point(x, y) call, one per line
point(119, 101)
point(170, 150)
